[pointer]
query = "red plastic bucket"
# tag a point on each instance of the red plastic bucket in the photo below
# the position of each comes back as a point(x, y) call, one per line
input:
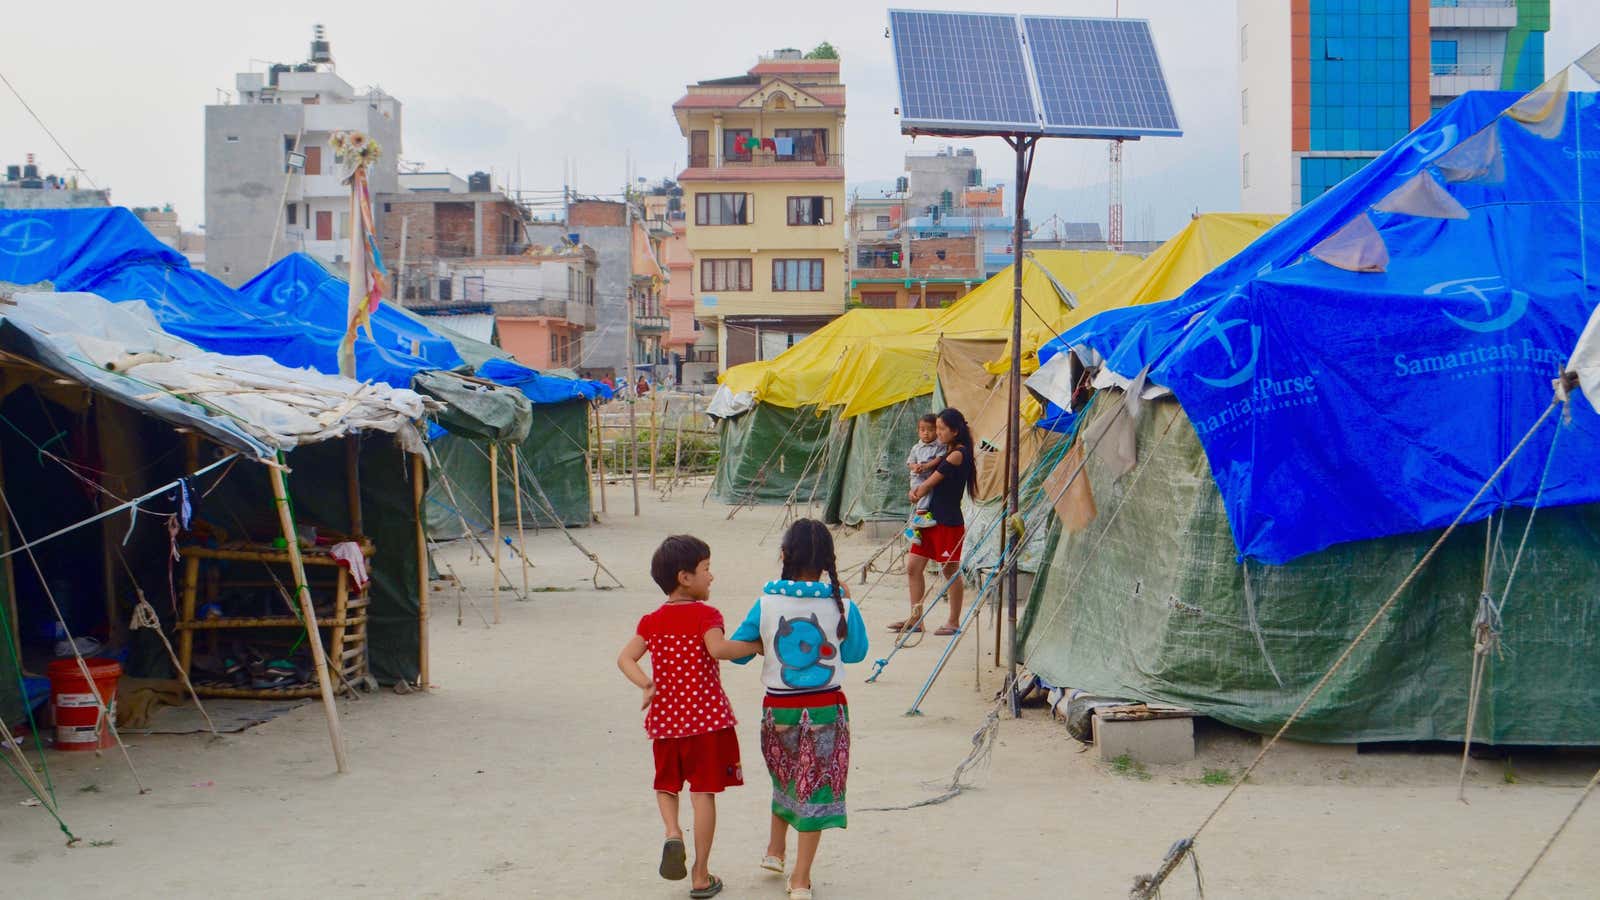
point(79, 725)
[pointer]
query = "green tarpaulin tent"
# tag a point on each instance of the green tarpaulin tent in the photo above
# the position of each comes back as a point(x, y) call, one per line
point(1150, 602)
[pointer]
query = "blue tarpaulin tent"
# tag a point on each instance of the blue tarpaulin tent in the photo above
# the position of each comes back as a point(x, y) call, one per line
point(109, 252)
point(1376, 396)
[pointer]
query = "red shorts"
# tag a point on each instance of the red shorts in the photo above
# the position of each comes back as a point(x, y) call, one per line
point(940, 543)
point(708, 762)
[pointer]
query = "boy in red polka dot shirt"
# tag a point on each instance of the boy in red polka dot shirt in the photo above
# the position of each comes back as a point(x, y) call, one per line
point(687, 713)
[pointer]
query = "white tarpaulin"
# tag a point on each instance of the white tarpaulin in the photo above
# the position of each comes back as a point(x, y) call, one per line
point(121, 348)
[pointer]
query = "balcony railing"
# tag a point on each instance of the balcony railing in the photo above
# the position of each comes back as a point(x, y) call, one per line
point(651, 324)
point(1453, 4)
point(768, 159)
point(1454, 69)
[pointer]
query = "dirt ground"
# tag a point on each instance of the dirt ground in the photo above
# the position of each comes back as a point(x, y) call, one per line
point(525, 772)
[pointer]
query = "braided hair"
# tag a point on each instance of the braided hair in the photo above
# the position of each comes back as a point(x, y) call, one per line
point(808, 547)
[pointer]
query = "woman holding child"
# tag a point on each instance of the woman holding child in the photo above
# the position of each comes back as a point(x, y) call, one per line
point(941, 542)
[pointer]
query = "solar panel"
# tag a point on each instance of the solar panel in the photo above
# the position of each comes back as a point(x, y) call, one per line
point(985, 73)
point(961, 70)
point(1099, 76)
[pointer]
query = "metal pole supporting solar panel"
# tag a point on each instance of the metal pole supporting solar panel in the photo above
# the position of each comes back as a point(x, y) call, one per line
point(1010, 552)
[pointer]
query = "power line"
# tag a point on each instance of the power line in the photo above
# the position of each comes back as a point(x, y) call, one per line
point(48, 132)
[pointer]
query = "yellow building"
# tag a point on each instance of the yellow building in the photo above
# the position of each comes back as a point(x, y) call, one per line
point(764, 203)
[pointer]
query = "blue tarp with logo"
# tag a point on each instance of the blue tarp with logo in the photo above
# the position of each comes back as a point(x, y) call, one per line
point(302, 288)
point(109, 252)
point(1338, 405)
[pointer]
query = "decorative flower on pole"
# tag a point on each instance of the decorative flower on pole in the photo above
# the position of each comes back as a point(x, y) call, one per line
point(356, 151)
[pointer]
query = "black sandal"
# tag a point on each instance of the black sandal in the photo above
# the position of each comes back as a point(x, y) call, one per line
point(710, 890)
point(673, 857)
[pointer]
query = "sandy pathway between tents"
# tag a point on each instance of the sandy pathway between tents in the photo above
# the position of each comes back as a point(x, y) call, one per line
point(525, 773)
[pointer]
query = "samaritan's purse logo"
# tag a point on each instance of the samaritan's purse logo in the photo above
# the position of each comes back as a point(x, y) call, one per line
point(1494, 305)
point(1238, 371)
point(25, 237)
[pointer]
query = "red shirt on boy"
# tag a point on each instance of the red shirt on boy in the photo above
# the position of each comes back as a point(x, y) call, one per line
point(689, 699)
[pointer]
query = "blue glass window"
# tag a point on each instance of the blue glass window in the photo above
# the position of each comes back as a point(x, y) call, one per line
point(1444, 57)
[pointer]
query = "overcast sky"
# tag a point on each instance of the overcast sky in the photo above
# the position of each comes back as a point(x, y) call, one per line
point(590, 85)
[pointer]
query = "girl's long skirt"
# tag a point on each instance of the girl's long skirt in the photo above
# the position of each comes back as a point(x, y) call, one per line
point(806, 742)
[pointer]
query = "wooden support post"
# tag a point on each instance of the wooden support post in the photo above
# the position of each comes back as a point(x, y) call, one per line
point(494, 516)
point(10, 576)
point(352, 481)
point(522, 541)
point(600, 455)
point(677, 454)
point(319, 659)
point(417, 483)
point(191, 564)
point(655, 437)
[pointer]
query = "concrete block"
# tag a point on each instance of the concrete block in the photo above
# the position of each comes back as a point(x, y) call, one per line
point(1156, 742)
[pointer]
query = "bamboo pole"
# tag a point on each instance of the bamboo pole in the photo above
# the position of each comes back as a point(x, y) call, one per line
point(11, 577)
point(677, 454)
point(600, 455)
point(522, 541)
point(655, 436)
point(422, 573)
point(352, 484)
point(494, 516)
point(319, 659)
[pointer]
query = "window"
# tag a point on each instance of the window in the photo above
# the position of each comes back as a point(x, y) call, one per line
point(290, 211)
point(472, 288)
point(1244, 170)
point(444, 288)
point(810, 211)
point(797, 275)
point(722, 209)
point(1444, 57)
point(1244, 106)
point(232, 139)
point(730, 140)
point(324, 225)
point(883, 223)
point(313, 160)
point(697, 325)
point(344, 226)
point(725, 275)
point(699, 149)
point(878, 300)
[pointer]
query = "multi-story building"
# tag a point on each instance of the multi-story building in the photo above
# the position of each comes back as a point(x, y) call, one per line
point(936, 236)
point(690, 354)
point(1327, 85)
point(459, 247)
point(648, 291)
point(765, 175)
point(272, 184)
point(27, 187)
point(604, 226)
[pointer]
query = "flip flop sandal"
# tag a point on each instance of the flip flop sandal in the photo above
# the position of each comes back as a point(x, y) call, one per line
point(673, 856)
point(772, 864)
point(710, 890)
point(947, 631)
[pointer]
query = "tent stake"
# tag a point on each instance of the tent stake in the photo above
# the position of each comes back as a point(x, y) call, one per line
point(417, 473)
point(319, 659)
point(494, 520)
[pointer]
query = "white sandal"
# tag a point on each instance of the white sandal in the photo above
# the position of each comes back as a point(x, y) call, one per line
point(799, 893)
point(772, 863)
